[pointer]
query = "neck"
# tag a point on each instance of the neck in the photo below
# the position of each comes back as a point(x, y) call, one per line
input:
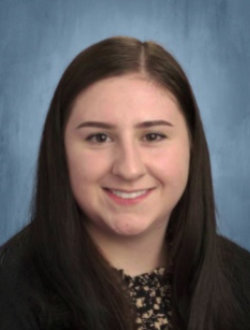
point(134, 255)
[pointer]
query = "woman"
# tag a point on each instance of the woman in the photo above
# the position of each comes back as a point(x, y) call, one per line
point(123, 233)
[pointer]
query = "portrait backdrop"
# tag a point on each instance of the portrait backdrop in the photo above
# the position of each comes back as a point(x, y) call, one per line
point(211, 40)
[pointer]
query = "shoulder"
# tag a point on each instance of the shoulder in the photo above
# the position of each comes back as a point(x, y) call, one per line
point(26, 301)
point(235, 262)
point(15, 285)
point(13, 249)
point(12, 256)
point(23, 295)
point(236, 259)
point(15, 263)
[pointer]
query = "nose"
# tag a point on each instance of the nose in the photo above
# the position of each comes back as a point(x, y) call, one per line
point(128, 163)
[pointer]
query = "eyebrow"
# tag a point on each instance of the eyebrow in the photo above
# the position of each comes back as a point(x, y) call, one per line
point(144, 124)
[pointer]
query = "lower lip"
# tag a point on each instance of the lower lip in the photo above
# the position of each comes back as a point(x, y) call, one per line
point(127, 201)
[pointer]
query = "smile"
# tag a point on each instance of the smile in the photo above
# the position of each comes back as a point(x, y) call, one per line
point(128, 197)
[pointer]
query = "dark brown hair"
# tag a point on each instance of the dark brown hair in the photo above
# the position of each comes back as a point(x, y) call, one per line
point(66, 257)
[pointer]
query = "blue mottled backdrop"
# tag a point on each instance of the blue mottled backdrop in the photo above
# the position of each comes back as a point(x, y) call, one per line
point(211, 39)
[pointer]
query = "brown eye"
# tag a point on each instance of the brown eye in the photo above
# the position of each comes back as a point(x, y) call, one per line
point(151, 137)
point(98, 138)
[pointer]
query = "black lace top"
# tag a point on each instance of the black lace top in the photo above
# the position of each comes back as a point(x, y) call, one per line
point(25, 303)
point(151, 295)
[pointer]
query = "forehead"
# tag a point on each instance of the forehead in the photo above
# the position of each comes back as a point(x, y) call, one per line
point(129, 96)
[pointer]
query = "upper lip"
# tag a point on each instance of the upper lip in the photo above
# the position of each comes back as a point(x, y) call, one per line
point(128, 191)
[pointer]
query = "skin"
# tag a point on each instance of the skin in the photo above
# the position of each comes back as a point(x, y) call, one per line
point(144, 148)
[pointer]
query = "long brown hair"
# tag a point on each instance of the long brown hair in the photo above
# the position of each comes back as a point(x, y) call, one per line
point(65, 255)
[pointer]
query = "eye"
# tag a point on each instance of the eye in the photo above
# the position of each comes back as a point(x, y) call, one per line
point(151, 137)
point(98, 138)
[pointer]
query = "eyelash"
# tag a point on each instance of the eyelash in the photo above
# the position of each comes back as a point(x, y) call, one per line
point(94, 137)
point(159, 136)
point(98, 137)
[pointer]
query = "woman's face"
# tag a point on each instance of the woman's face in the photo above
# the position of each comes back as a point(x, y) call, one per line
point(128, 150)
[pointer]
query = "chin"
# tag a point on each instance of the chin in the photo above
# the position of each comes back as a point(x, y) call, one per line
point(127, 229)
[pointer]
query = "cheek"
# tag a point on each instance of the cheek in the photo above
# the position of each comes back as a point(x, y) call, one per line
point(172, 166)
point(85, 168)
point(84, 173)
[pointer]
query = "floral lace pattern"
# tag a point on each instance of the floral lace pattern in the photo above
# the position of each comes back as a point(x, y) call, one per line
point(151, 296)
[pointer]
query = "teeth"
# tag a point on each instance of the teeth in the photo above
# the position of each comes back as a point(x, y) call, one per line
point(127, 195)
